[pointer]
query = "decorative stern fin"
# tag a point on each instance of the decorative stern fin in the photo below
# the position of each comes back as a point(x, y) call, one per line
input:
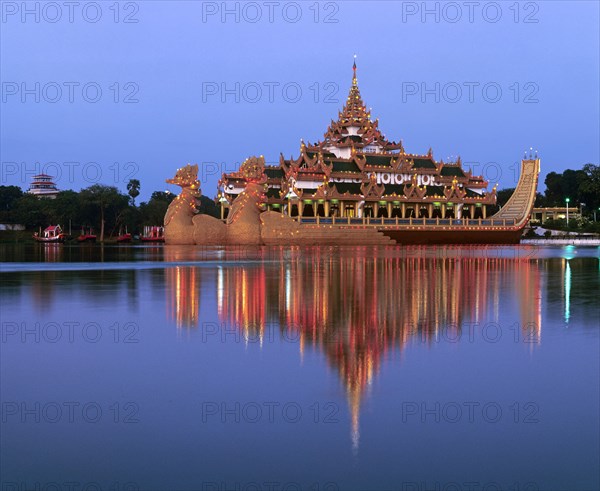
point(520, 204)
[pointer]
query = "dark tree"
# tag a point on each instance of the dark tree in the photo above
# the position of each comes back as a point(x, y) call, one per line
point(569, 184)
point(153, 212)
point(9, 195)
point(503, 196)
point(554, 192)
point(107, 202)
point(31, 211)
point(589, 187)
point(208, 207)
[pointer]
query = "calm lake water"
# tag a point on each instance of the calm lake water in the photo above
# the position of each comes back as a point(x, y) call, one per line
point(300, 369)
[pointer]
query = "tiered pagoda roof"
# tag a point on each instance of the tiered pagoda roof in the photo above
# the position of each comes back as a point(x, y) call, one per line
point(352, 151)
point(43, 186)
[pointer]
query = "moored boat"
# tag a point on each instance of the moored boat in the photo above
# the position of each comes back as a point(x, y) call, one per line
point(153, 234)
point(88, 236)
point(52, 234)
point(124, 238)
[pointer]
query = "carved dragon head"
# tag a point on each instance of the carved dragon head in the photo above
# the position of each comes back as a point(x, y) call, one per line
point(252, 170)
point(187, 178)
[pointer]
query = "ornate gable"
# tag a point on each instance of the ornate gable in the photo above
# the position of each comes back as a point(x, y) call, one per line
point(371, 189)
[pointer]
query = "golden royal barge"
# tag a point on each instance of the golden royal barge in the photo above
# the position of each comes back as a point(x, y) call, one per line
point(352, 187)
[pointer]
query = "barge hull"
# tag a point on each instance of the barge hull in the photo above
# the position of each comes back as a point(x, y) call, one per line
point(424, 237)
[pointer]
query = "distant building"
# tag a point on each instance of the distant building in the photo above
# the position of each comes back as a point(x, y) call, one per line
point(43, 186)
point(11, 226)
point(540, 215)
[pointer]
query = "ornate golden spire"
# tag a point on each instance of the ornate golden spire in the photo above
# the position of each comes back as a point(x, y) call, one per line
point(354, 107)
point(354, 126)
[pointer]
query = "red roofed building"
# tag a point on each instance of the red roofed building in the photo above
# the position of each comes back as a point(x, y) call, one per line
point(43, 186)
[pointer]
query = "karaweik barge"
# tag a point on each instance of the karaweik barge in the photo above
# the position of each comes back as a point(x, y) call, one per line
point(353, 187)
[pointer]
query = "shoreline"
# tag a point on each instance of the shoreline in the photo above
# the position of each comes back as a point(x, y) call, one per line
point(595, 241)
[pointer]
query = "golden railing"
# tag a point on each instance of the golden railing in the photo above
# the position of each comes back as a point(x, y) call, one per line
point(400, 222)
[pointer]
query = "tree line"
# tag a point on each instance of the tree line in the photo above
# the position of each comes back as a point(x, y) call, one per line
point(102, 208)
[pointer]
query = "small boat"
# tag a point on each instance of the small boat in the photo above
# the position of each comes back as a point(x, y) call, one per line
point(153, 234)
point(52, 234)
point(86, 237)
point(124, 238)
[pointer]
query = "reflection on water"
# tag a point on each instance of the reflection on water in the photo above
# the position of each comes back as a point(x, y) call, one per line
point(183, 295)
point(386, 323)
point(567, 291)
point(355, 308)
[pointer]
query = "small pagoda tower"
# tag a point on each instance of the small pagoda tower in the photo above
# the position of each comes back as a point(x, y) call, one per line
point(43, 186)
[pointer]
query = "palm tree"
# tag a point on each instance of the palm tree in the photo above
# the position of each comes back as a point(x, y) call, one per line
point(133, 186)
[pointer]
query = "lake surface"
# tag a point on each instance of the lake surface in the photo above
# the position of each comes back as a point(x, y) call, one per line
point(320, 369)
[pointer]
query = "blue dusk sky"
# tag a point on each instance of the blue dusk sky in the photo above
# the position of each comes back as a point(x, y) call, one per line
point(106, 91)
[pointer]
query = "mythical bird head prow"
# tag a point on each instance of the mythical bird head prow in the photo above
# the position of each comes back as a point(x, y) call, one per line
point(252, 170)
point(186, 177)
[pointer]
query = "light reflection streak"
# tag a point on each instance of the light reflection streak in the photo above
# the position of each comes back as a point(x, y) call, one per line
point(567, 291)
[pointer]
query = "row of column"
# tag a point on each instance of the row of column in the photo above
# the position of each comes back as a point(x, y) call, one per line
point(357, 210)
